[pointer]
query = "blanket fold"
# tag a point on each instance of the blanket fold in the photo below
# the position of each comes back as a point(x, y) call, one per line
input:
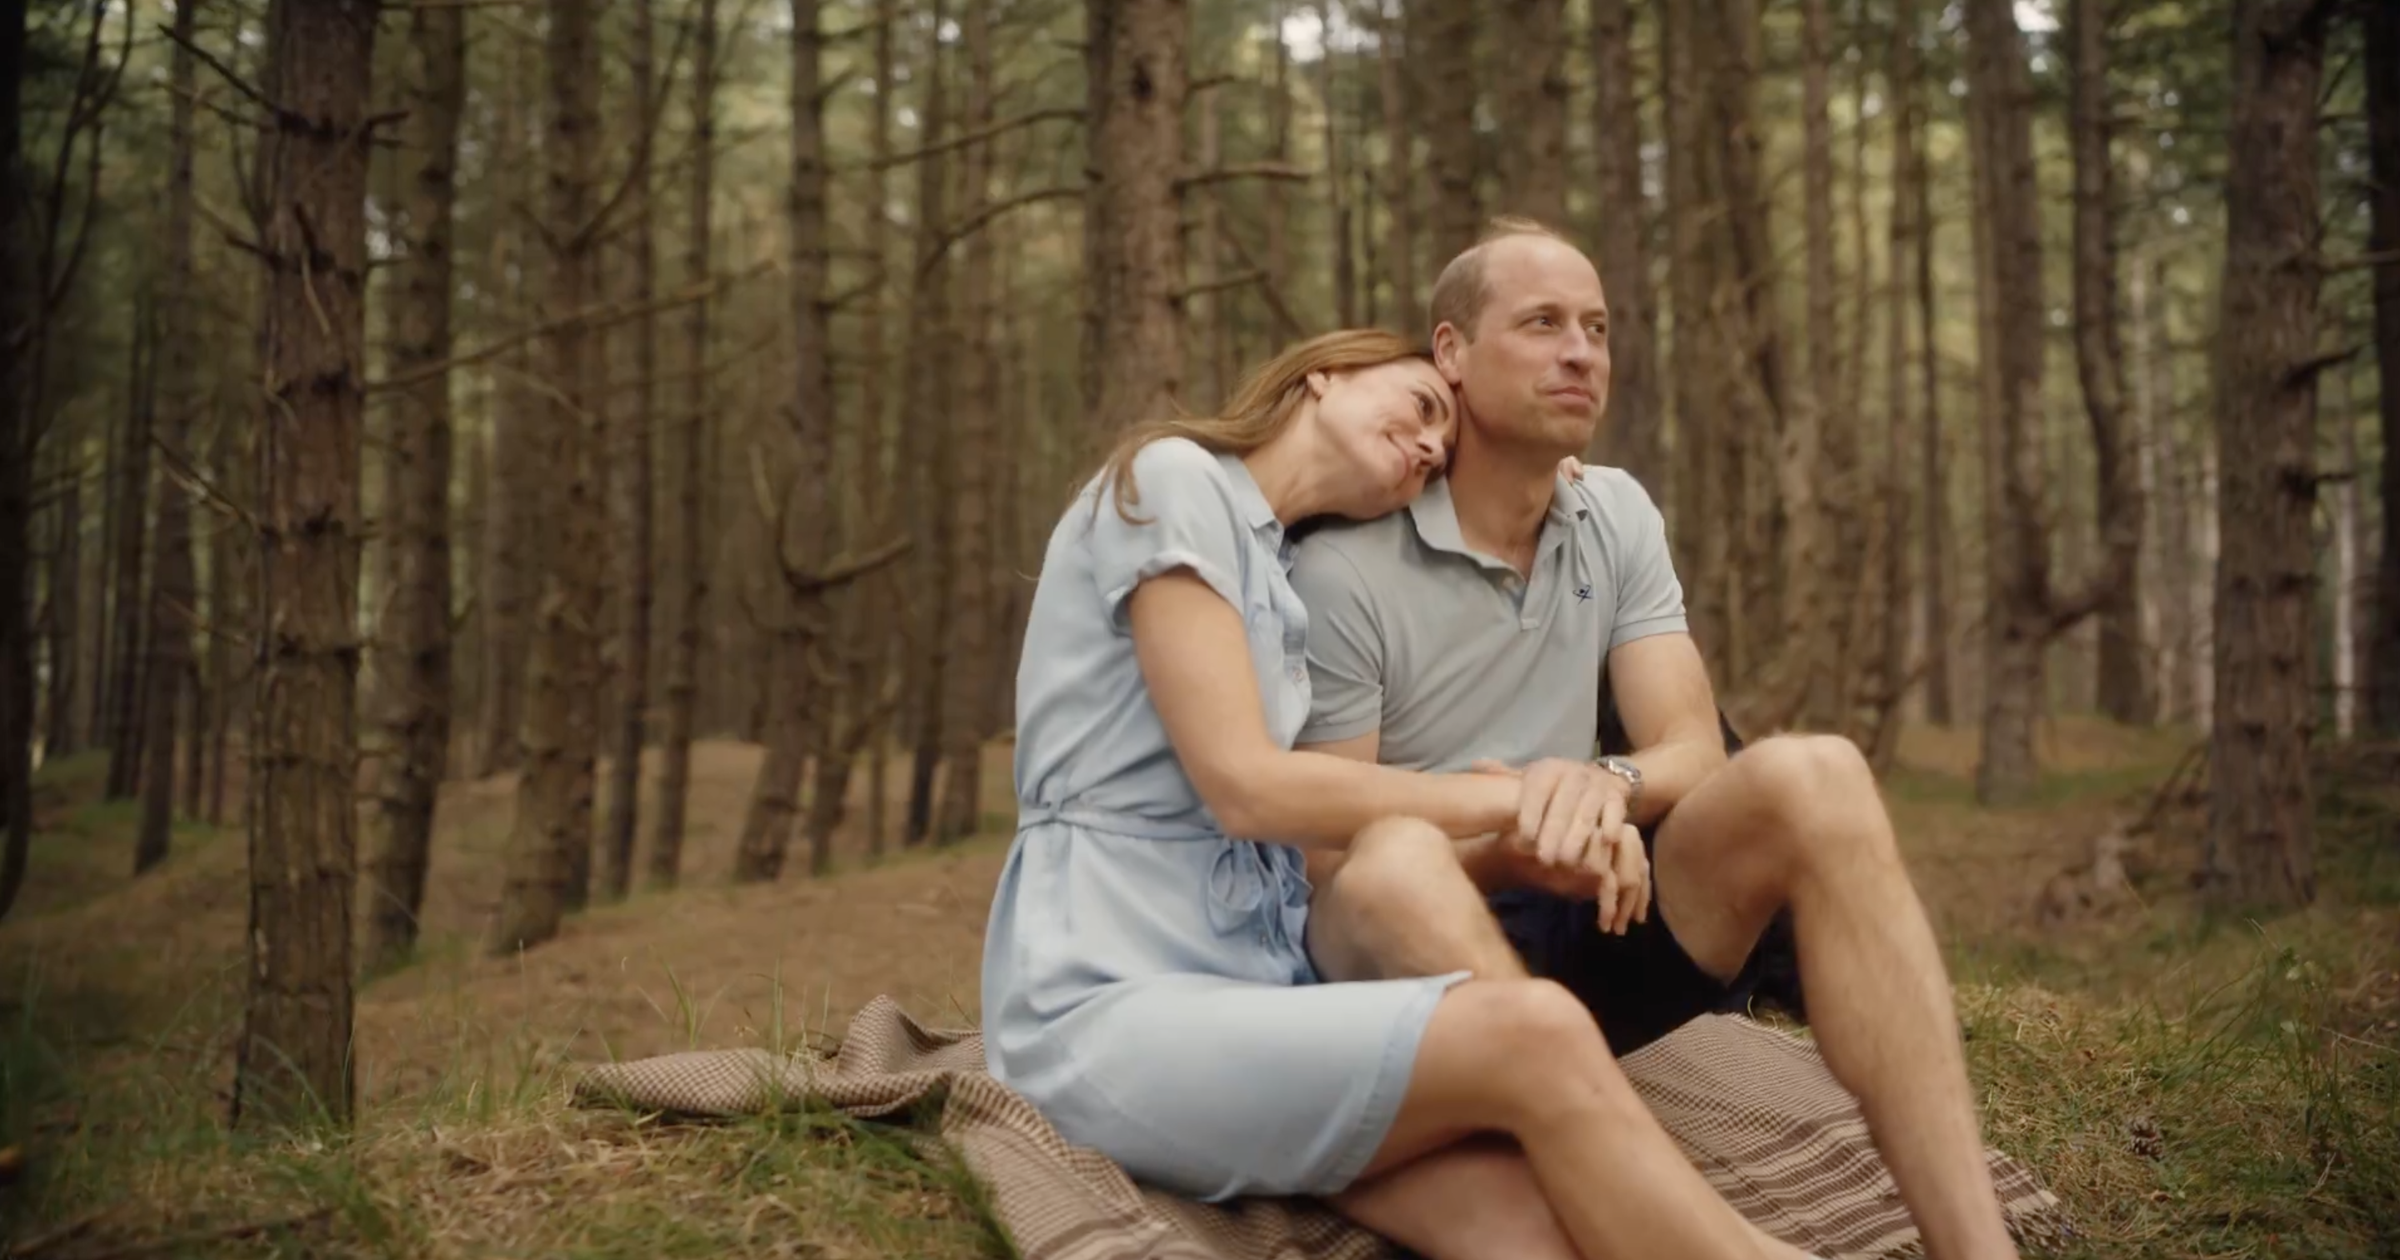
point(1754, 1108)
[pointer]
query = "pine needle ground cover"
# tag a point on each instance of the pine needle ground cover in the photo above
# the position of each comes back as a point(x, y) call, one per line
point(2189, 1086)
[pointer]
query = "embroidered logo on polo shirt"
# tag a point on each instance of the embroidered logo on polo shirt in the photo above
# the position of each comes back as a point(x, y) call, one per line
point(1584, 591)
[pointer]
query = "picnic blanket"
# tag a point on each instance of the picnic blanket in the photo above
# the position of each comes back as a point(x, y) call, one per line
point(1754, 1108)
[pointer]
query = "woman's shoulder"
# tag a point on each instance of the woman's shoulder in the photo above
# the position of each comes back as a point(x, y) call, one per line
point(1177, 459)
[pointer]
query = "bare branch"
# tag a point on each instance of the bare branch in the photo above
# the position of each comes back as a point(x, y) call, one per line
point(975, 222)
point(842, 569)
point(963, 139)
point(1244, 170)
point(1220, 283)
point(597, 316)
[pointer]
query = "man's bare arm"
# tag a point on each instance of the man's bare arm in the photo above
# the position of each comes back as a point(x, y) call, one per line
point(1670, 714)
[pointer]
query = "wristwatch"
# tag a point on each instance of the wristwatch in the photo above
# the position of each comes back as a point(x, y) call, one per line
point(1626, 770)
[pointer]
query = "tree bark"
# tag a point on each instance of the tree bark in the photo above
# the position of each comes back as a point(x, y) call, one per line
point(1133, 115)
point(2345, 563)
point(2169, 534)
point(875, 602)
point(1444, 59)
point(2100, 366)
point(294, 1061)
point(1702, 527)
point(1337, 180)
point(2260, 837)
point(2383, 162)
point(1904, 103)
point(929, 396)
point(416, 678)
point(690, 460)
point(1399, 177)
point(64, 736)
point(512, 530)
point(973, 454)
point(774, 797)
point(2017, 623)
point(17, 314)
point(1632, 439)
point(130, 497)
point(550, 842)
point(631, 487)
point(173, 591)
point(1933, 480)
point(1530, 102)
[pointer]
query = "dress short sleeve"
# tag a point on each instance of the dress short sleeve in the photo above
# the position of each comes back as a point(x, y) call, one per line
point(1187, 519)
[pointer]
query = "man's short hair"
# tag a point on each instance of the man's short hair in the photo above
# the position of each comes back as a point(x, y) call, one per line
point(1459, 295)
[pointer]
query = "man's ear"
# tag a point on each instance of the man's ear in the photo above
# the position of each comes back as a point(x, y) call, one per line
point(1449, 345)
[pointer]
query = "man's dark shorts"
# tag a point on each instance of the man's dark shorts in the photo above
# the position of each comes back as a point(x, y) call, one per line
point(1641, 985)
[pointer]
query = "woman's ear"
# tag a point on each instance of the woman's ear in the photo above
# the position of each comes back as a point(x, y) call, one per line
point(1317, 381)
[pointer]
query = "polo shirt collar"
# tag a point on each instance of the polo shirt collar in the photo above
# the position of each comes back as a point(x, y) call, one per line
point(1435, 515)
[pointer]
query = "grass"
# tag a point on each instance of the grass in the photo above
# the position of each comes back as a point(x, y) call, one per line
point(2190, 1083)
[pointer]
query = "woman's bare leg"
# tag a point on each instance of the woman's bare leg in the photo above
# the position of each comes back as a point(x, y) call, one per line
point(1523, 1058)
point(1477, 1200)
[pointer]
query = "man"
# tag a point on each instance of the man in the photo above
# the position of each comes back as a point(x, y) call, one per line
point(1474, 627)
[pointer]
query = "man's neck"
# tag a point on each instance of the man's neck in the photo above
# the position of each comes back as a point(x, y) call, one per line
point(1501, 497)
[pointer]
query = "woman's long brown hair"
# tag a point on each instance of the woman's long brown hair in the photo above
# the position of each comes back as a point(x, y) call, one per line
point(1260, 409)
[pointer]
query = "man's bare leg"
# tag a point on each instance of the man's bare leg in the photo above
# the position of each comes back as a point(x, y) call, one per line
point(1798, 821)
point(1396, 903)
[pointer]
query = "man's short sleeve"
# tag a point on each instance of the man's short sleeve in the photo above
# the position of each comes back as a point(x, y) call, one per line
point(1345, 645)
point(1649, 596)
point(1188, 519)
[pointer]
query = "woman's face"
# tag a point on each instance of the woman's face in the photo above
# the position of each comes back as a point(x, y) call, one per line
point(1392, 425)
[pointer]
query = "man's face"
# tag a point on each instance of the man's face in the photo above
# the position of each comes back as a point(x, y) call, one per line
point(1536, 372)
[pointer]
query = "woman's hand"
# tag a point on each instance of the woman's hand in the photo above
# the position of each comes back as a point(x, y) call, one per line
point(1571, 839)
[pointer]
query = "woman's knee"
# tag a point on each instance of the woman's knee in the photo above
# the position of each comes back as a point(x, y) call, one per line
point(1542, 1048)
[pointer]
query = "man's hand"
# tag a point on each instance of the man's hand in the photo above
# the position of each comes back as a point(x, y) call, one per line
point(1572, 839)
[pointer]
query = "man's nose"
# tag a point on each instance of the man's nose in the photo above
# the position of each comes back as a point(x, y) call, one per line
point(1579, 348)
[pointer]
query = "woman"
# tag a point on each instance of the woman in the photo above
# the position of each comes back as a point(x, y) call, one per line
point(1146, 983)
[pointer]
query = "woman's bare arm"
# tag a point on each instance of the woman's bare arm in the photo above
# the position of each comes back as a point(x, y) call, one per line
point(1195, 657)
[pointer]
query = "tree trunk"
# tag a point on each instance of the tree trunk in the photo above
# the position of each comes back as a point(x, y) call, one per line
point(774, 798)
point(631, 490)
point(1530, 104)
point(1905, 106)
point(2169, 535)
point(1814, 479)
point(685, 474)
point(930, 398)
point(1632, 438)
point(512, 531)
point(2100, 365)
point(1933, 482)
point(1337, 181)
point(1444, 59)
point(2260, 840)
point(974, 455)
point(129, 504)
point(1702, 527)
point(2383, 149)
point(550, 842)
point(417, 693)
point(66, 591)
point(17, 314)
point(2017, 624)
point(2345, 563)
point(1133, 114)
point(294, 1061)
point(174, 593)
point(1399, 178)
point(875, 602)
point(233, 630)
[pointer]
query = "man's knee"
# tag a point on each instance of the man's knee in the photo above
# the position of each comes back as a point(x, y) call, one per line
point(1818, 794)
point(1403, 866)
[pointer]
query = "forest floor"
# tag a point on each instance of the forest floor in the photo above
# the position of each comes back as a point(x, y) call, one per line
point(2189, 1085)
